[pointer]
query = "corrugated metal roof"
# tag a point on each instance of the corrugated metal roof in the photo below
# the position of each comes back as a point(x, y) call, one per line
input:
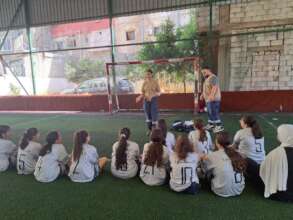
point(45, 12)
point(8, 8)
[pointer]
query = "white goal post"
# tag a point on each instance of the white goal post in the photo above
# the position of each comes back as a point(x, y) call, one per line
point(196, 67)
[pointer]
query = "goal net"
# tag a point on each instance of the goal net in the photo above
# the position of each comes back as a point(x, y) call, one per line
point(124, 88)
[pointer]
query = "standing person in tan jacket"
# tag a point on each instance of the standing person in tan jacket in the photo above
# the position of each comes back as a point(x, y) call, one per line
point(150, 91)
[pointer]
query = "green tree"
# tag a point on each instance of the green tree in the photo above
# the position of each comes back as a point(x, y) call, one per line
point(85, 69)
point(177, 72)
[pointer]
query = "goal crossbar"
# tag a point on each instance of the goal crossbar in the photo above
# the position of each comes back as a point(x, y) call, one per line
point(196, 67)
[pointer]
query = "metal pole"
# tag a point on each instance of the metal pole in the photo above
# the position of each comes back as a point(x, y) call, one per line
point(113, 52)
point(110, 102)
point(11, 23)
point(27, 22)
point(210, 33)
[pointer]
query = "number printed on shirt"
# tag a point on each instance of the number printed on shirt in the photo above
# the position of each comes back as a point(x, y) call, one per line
point(74, 170)
point(238, 177)
point(258, 146)
point(184, 173)
point(145, 171)
point(123, 167)
point(40, 165)
point(21, 162)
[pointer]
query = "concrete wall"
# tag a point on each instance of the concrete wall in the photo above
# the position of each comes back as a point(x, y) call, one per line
point(261, 61)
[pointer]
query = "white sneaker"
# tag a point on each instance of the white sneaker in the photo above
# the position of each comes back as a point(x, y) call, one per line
point(218, 129)
point(209, 127)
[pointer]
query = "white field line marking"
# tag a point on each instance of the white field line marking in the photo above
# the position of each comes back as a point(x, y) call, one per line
point(36, 121)
point(270, 123)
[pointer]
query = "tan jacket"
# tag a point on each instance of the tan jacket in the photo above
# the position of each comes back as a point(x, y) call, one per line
point(150, 89)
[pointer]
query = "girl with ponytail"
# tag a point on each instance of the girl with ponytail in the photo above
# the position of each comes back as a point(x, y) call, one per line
point(125, 156)
point(8, 150)
point(226, 166)
point(85, 164)
point(28, 152)
point(52, 160)
point(155, 158)
point(249, 141)
point(169, 138)
point(200, 138)
point(183, 162)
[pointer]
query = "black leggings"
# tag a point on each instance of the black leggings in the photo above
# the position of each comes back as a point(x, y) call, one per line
point(252, 174)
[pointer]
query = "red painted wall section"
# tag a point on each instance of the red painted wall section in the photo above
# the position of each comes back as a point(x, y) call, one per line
point(262, 101)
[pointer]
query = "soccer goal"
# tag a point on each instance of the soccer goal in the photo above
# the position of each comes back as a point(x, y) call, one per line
point(114, 97)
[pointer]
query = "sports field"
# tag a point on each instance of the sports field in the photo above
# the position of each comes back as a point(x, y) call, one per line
point(21, 197)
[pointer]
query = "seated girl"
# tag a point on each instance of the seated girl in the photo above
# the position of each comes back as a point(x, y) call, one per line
point(183, 162)
point(200, 138)
point(85, 164)
point(28, 152)
point(169, 138)
point(249, 142)
point(276, 170)
point(8, 150)
point(125, 156)
point(155, 158)
point(52, 160)
point(226, 168)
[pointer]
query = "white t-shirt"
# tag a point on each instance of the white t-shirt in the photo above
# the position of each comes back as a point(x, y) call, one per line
point(183, 172)
point(131, 168)
point(86, 168)
point(153, 175)
point(250, 147)
point(27, 158)
point(205, 147)
point(8, 153)
point(226, 182)
point(48, 166)
point(170, 142)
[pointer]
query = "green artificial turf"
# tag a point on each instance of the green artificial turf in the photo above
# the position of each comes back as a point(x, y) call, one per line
point(21, 197)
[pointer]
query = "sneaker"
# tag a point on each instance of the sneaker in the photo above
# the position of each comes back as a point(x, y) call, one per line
point(209, 127)
point(218, 129)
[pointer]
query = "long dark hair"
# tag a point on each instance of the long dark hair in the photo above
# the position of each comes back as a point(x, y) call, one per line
point(163, 126)
point(154, 155)
point(27, 137)
point(199, 125)
point(51, 139)
point(80, 138)
point(183, 147)
point(253, 124)
point(121, 156)
point(3, 130)
point(238, 162)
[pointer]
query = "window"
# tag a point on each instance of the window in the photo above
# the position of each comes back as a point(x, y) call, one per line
point(59, 45)
point(71, 42)
point(17, 66)
point(157, 30)
point(130, 35)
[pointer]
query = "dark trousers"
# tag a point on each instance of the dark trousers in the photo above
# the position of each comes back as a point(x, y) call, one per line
point(151, 111)
point(192, 189)
point(214, 112)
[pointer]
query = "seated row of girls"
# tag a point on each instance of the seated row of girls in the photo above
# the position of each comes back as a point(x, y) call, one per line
point(50, 161)
point(249, 141)
point(179, 167)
